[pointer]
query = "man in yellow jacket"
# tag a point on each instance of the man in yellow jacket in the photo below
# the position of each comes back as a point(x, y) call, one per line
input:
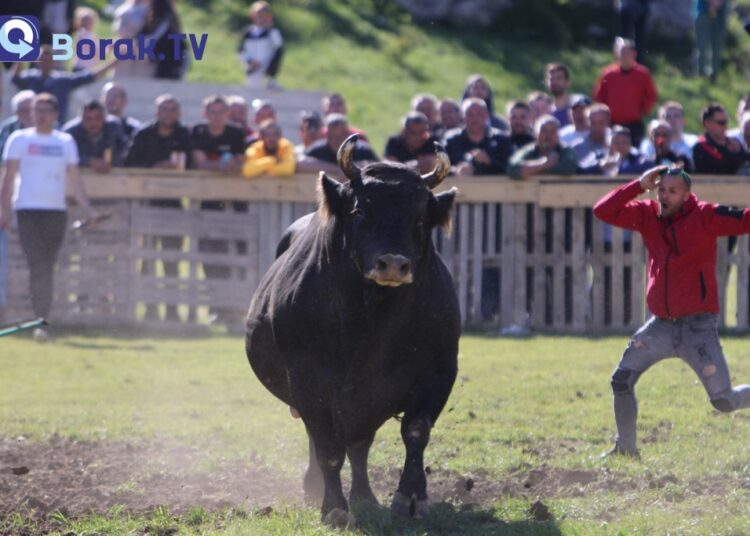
point(272, 154)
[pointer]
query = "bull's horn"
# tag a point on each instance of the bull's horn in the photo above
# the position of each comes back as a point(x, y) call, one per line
point(442, 168)
point(345, 157)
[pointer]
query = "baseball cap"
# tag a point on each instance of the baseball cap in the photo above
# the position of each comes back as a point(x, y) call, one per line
point(579, 99)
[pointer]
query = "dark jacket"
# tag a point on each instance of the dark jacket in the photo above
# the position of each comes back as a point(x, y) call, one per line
point(710, 157)
point(681, 249)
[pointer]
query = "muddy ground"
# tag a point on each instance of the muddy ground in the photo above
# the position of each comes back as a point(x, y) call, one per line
point(78, 477)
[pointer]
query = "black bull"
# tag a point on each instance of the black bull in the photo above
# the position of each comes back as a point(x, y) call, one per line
point(357, 321)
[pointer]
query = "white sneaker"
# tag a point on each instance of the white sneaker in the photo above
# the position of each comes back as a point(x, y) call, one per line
point(40, 335)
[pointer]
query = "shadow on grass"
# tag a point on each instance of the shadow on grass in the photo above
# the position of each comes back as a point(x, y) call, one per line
point(445, 518)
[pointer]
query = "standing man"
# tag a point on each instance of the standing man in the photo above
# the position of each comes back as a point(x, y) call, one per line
point(557, 80)
point(627, 88)
point(680, 234)
point(41, 167)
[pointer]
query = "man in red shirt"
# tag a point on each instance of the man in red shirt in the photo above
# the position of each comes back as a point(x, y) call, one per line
point(627, 88)
point(680, 234)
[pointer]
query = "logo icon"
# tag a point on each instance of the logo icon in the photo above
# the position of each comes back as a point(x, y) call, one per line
point(19, 38)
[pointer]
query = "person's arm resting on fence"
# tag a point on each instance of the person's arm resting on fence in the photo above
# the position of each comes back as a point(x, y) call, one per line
point(285, 162)
point(77, 190)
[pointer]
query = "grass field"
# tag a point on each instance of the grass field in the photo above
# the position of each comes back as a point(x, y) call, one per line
point(130, 434)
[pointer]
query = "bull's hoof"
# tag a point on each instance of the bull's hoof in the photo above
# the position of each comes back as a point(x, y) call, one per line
point(338, 519)
point(410, 506)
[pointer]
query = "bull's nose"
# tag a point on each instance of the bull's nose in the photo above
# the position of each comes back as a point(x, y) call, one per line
point(392, 269)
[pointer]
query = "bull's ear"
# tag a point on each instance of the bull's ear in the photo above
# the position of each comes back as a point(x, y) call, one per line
point(440, 210)
point(331, 197)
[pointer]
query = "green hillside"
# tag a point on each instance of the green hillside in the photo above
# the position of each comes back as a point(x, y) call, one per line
point(378, 58)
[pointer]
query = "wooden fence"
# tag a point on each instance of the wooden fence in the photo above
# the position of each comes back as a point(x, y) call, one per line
point(524, 255)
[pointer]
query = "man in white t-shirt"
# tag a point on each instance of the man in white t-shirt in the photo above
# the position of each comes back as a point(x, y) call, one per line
point(41, 167)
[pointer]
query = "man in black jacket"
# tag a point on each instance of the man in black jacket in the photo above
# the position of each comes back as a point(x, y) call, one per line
point(715, 152)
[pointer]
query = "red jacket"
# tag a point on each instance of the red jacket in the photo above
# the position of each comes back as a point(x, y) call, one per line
point(681, 249)
point(629, 94)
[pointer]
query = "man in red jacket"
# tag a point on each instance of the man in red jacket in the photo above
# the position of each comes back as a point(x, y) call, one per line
point(627, 88)
point(680, 234)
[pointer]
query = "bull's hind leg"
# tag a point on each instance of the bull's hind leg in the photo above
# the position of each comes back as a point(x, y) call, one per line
point(361, 490)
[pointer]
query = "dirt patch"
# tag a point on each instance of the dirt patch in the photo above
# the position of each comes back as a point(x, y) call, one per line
point(77, 477)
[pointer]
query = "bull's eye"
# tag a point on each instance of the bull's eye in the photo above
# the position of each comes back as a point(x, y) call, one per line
point(358, 212)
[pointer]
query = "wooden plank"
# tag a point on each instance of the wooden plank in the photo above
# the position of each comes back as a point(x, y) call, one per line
point(618, 301)
point(463, 257)
point(537, 261)
point(520, 314)
point(743, 269)
point(599, 258)
point(578, 266)
point(477, 223)
point(558, 269)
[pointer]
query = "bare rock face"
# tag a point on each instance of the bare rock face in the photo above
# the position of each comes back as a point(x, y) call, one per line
point(670, 18)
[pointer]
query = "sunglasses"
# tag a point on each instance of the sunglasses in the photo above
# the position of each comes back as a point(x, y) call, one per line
point(674, 171)
point(721, 122)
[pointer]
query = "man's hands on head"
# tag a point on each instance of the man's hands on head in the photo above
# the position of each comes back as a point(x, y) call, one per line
point(651, 178)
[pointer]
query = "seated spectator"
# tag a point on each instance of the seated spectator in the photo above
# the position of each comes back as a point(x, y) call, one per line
point(478, 87)
point(450, 115)
point(541, 104)
point(427, 104)
point(216, 144)
point(414, 145)
point(546, 156)
point(238, 115)
point(272, 154)
point(261, 47)
point(743, 105)
point(681, 142)
point(715, 152)
point(45, 78)
point(557, 80)
point(660, 135)
point(335, 103)
point(595, 145)
point(521, 131)
point(745, 130)
point(478, 149)
point(627, 160)
point(321, 155)
point(21, 104)
point(100, 139)
point(263, 110)
point(578, 127)
point(163, 143)
point(115, 99)
point(310, 131)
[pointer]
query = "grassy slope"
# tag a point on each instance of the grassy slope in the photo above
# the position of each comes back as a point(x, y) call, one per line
point(379, 65)
point(517, 403)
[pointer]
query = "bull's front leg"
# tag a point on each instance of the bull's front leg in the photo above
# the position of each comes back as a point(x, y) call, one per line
point(411, 498)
